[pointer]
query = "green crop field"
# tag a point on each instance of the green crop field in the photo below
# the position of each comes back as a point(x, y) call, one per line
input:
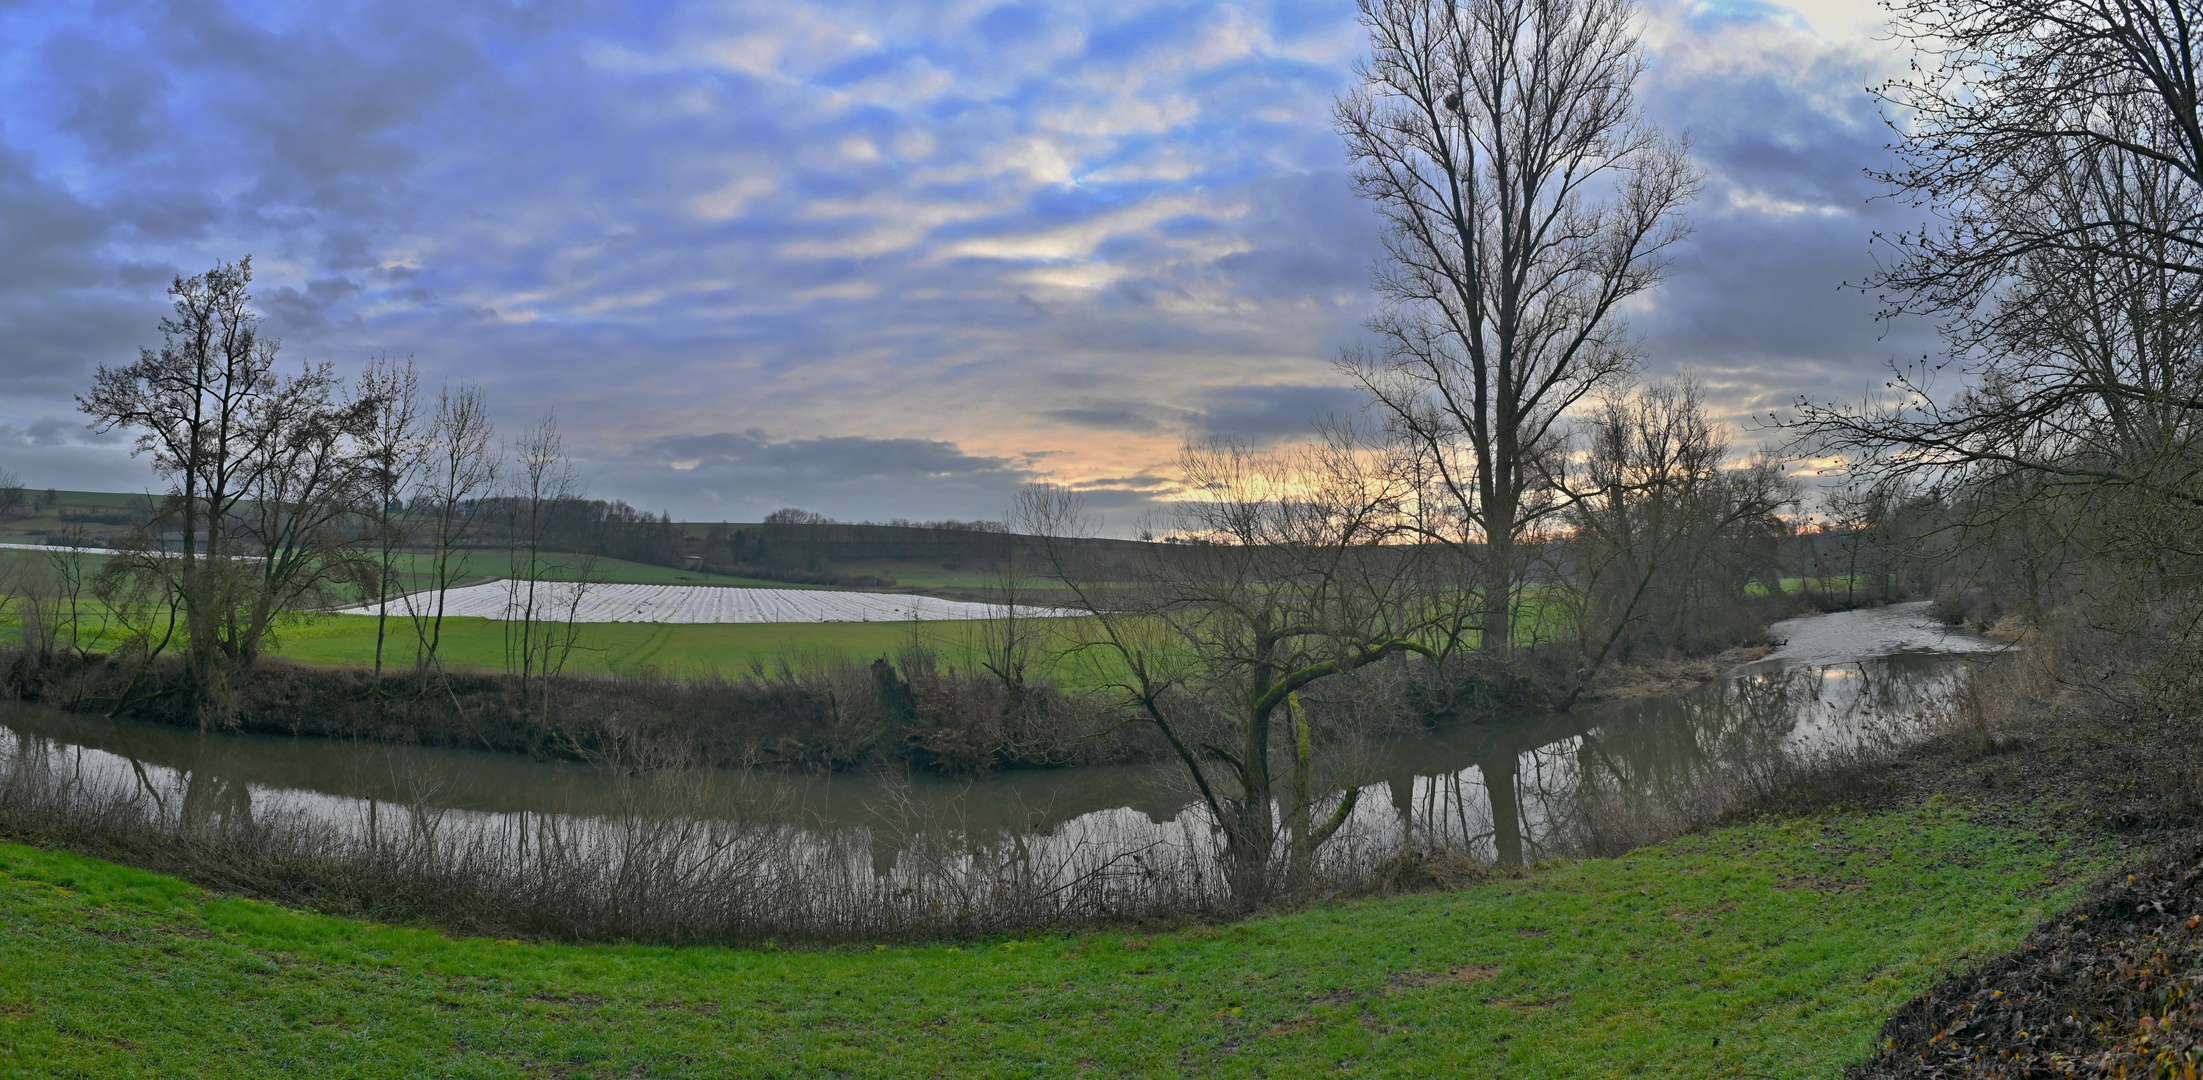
point(1771, 949)
point(672, 648)
point(730, 649)
point(918, 574)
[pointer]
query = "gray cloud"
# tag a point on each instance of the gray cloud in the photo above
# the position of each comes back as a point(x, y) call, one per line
point(743, 475)
point(937, 251)
point(1267, 414)
point(110, 97)
point(1128, 417)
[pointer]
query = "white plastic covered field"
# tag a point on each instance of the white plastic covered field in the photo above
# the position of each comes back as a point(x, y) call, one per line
point(694, 604)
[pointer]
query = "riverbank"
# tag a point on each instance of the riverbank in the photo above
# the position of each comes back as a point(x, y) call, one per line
point(911, 710)
point(1774, 946)
point(917, 700)
point(1651, 678)
point(648, 851)
point(2112, 987)
point(1787, 935)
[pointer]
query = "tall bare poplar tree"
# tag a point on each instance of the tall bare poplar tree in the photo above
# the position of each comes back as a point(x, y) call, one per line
point(1524, 200)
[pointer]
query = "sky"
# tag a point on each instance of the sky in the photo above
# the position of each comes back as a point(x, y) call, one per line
point(876, 260)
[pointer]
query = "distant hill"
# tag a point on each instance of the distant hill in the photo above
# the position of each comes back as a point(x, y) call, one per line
point(45, 514)
point(963, 559)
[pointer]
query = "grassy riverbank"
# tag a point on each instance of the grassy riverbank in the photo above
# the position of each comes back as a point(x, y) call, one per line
point(1775, 947)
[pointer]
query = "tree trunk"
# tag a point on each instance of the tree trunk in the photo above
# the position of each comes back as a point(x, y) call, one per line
point(1496, 642)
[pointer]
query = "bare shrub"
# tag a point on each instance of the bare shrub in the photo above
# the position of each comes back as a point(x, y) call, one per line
point(818, 716)
point(684, 856)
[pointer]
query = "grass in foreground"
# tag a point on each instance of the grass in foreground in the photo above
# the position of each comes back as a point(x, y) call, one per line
point(1774, 948)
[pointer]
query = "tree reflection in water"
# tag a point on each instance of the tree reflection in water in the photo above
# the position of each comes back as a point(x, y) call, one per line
point(1614, 775)
point(1601, 778)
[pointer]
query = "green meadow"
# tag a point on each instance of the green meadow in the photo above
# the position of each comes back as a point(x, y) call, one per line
point(1768, 949)
point(729, 649)
point(670, 648)
point(687, 649)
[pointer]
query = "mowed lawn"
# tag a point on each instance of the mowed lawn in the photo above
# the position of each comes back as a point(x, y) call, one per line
point(1770, 949)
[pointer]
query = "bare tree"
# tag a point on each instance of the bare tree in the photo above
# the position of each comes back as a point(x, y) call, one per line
point(262, 467)
point(2005, 93)
point(295, 528)
point(12, 502)
point(393, 451)
point(1281, 578)
point(1008, 644)
point(2076, 363)
point(1665, 535)
point(1524, 201)
point(547, 587)
point(458, 475)
point(2056, 144)
point(68, 583)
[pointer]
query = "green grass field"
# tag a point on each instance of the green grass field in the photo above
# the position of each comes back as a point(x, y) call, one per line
point(1773, 949)
point(732, 649)
point(672, 648)
point(487, 564)
point(918, 574)
point(343, 640)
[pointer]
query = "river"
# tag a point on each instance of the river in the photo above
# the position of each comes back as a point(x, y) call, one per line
point(1601, 776)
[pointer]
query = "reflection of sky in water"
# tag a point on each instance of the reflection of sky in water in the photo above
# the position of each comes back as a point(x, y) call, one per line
point(1512, 789)
point(1848, 636)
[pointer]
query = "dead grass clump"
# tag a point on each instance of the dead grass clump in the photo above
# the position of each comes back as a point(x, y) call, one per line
point(1429, 870)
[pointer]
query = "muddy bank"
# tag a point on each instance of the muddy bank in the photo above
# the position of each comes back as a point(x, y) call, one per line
point(1672, 675)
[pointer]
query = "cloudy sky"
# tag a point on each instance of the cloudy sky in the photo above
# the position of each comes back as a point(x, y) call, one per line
point(873, 259)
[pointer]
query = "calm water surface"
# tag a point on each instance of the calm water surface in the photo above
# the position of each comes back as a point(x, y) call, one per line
point(1514, 789)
